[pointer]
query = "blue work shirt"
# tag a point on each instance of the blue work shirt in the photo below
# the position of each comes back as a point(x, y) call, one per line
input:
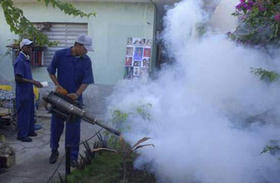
point(24, 91)
point(71, 71)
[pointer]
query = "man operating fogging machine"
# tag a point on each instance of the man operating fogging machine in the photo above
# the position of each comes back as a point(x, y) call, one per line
point(71, 72)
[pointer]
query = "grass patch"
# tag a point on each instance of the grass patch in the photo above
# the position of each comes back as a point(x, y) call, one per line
point(107, 168)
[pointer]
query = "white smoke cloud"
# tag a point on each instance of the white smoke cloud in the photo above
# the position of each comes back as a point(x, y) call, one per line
point(202, 107)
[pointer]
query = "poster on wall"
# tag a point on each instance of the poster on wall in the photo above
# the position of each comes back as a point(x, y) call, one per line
point(138, 57)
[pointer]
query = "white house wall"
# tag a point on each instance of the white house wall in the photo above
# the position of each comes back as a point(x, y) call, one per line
point(113, 24)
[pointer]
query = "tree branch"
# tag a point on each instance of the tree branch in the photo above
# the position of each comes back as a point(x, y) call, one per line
point(20, 25)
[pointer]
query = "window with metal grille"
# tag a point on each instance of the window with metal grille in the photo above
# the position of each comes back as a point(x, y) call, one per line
point(63, 33)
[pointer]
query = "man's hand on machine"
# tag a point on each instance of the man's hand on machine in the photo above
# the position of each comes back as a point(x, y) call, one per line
point(59, 89)
point(73, 96)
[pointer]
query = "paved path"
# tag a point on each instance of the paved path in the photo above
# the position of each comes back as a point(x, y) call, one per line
point(32, 158)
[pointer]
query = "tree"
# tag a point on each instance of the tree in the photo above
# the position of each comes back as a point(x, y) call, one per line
point(20, 25)
point(259, 22)
point(259, 25)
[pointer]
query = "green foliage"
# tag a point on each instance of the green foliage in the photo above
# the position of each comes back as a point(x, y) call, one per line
point(265, 74)
point(259, 22)
point(270, 149)
point(144, 111)
point(67, 8)
point(112, 165)
point(120, 118)
point(273, 148)
point(20, 25)
point(107, 168)
point(113, 141)
point(116, 163)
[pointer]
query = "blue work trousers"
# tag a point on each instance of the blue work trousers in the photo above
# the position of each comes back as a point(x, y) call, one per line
point(72, 135)
point(25, 117)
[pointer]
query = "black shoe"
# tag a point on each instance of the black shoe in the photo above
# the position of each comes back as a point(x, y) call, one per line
point(24, 139)
point(33, 134)
point(74, 163)
point(53, 157)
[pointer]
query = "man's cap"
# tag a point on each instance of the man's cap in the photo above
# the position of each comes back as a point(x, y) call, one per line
point(86, 41)
point(25, 42)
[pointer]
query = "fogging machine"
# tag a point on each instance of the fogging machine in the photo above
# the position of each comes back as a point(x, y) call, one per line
point(68, 109)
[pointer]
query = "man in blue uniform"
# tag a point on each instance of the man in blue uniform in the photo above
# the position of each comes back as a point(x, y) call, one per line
point(71, 71)
point(24, 92)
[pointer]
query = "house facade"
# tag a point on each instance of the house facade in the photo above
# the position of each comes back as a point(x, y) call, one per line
point(115, 22)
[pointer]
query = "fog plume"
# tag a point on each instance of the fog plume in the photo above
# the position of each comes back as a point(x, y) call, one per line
point(210, 116)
